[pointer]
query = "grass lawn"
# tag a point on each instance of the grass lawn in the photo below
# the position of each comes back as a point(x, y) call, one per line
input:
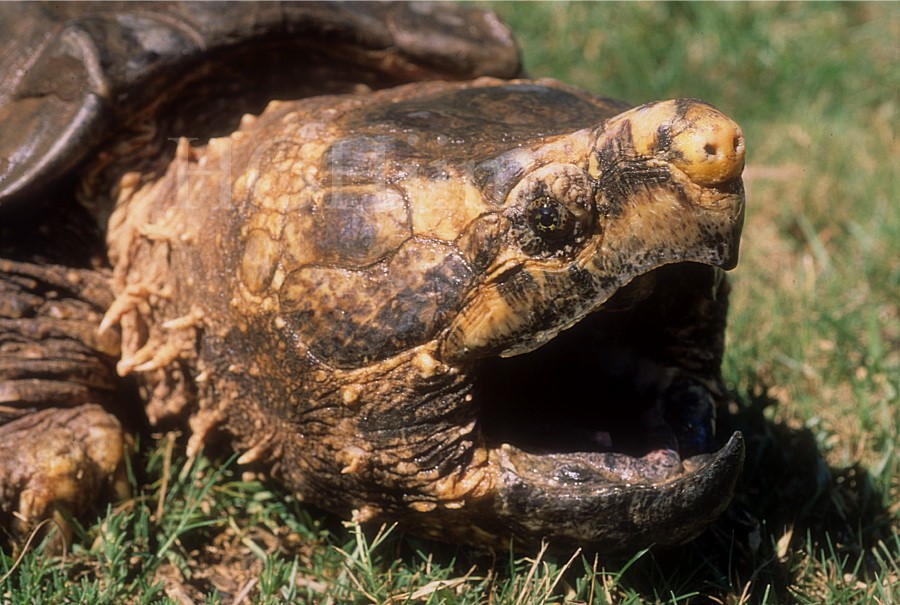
point(813, 359)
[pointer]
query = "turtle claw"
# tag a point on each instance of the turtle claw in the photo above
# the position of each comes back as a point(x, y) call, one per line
point(55, 464)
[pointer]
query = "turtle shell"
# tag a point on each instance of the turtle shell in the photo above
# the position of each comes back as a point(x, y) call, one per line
point(72, 73)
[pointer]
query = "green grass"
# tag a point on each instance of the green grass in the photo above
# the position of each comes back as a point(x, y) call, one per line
point(813, 359)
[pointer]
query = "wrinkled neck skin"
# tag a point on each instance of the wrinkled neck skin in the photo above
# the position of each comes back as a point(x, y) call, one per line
point(209, 341)
point(368, 441)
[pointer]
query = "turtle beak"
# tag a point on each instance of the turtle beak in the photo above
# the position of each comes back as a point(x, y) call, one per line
point(604, 434)
point(670, 174)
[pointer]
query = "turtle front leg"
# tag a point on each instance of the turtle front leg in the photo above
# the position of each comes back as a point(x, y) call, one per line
point(60, 450)
point(58, 462)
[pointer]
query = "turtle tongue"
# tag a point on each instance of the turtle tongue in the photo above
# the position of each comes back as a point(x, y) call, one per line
point(590, 469)
point(666, 431)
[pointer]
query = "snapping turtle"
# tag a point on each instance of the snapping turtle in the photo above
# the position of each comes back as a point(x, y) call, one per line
point(486, 308)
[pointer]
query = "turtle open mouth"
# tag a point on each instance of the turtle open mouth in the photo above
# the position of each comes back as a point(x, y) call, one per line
point(615, 417)
point(620, 380)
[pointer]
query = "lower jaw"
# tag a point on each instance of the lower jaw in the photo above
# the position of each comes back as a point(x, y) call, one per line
point(665, 491)
point(570, 507)
point(597, 438)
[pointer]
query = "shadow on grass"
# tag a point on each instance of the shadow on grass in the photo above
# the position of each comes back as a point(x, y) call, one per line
point(790, 504)
point(787, 482)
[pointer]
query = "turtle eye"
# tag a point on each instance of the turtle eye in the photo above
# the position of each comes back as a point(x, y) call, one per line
point(548, 217)
point(552, 210)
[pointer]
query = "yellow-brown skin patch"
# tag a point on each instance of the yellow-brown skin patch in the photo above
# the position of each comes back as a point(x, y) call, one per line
point(359, 294)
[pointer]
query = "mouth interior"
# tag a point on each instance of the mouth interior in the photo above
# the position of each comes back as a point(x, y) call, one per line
point(633, 380)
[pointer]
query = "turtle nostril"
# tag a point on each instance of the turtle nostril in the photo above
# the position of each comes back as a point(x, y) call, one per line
point(711, 150)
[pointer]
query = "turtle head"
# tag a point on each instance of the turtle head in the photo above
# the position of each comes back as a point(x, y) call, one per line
point(596, 335)
point(497, 307)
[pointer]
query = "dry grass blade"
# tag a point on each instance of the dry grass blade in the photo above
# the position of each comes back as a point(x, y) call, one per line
point(166, 474)
point(25, 548)
point(425, 591)
point(529, 577)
